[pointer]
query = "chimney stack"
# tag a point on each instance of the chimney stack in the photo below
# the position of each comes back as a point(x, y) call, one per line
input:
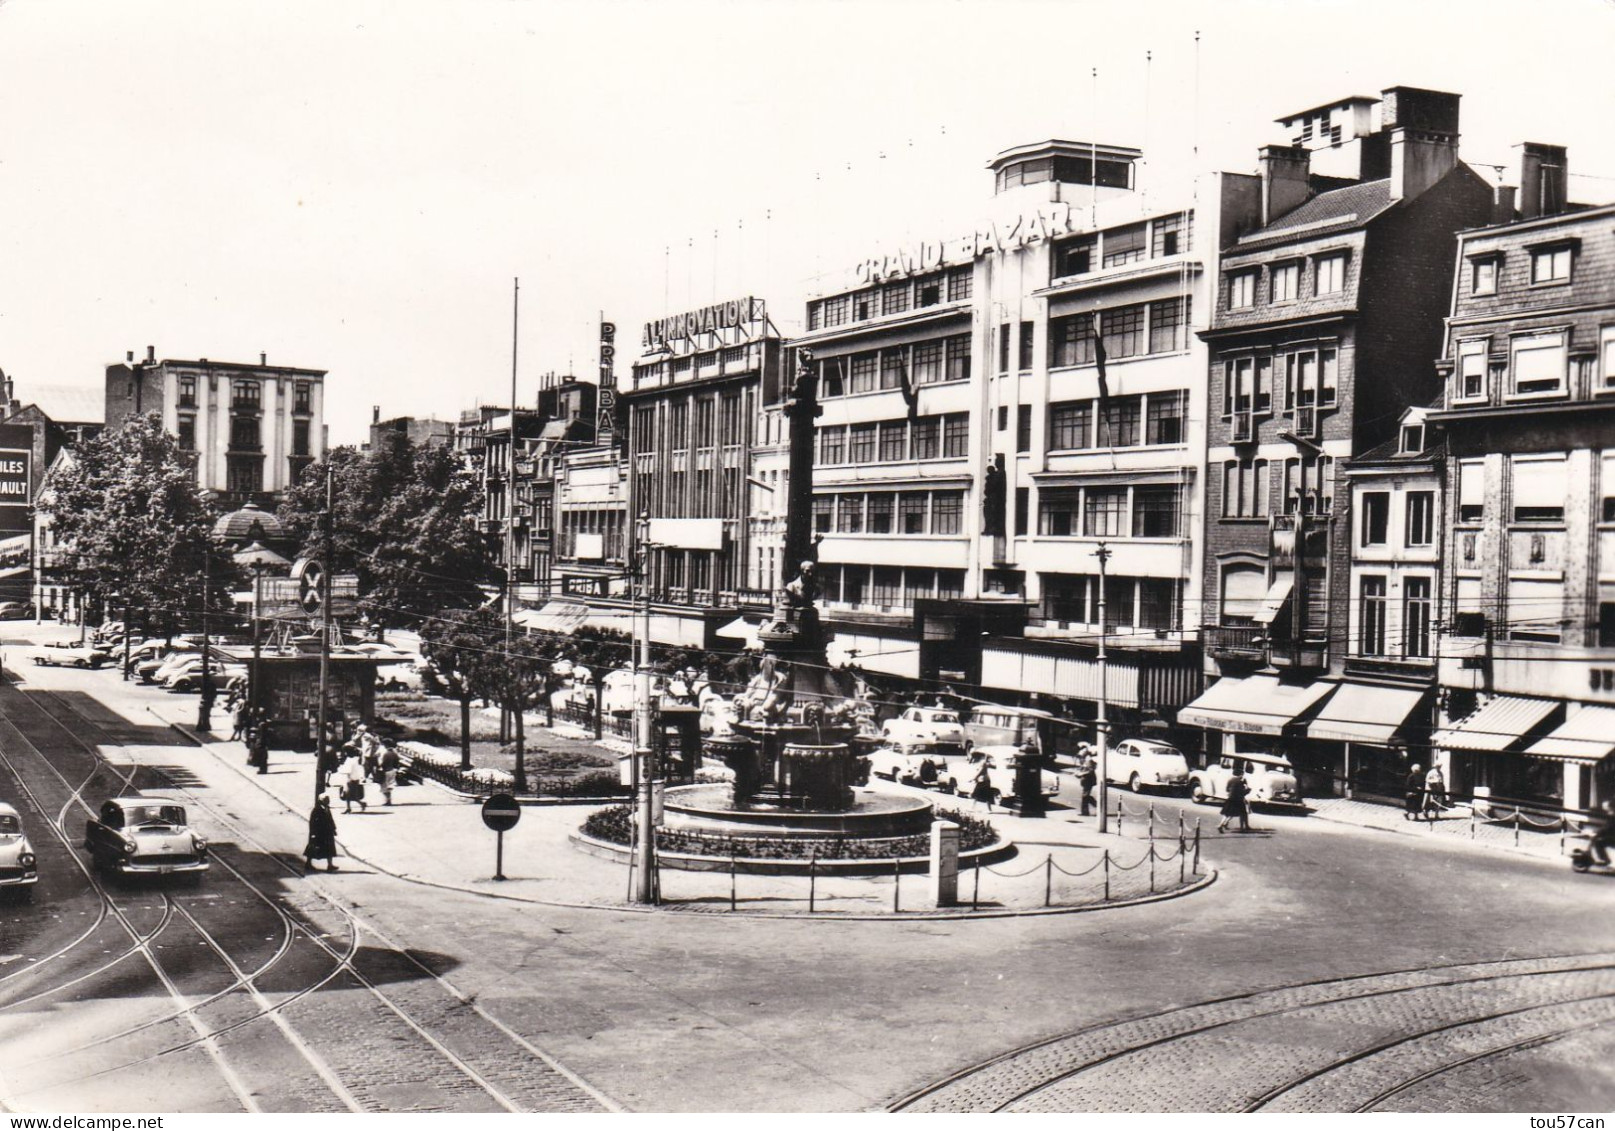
point(375, 414)
point(263, 358)
point(1502, 204)
point(1544, 171)
point(151, 355)
point(128, 357)
point(1423, 128)
point(1283, 170)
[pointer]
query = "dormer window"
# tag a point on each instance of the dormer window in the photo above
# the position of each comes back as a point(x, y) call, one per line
point(1241, 290)
point(1551, 263)
point(1286, 282)
point(1483, 275)
point(1329, 274)
point(1412, 439)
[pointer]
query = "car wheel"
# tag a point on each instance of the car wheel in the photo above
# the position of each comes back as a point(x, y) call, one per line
point(81, 663)
point(1197, 792)
point(1133, 783)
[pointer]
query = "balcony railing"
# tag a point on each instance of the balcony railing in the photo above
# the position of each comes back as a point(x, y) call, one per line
point(246, 406)
point(1246, 641)
point(754, 598)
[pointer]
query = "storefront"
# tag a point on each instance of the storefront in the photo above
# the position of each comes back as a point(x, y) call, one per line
point(1584, 746)
point(1487, 753)
point(1370, 735)
point(1262, 714)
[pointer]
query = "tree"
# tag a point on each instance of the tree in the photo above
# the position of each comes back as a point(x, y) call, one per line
point(457, 643)
point(402, 520)
point(132, 523)
point(513, 678)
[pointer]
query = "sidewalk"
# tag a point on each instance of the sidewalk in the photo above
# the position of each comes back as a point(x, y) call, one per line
point(1501, 832)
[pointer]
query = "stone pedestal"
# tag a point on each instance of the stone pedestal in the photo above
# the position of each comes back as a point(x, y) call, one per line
point(944, 864)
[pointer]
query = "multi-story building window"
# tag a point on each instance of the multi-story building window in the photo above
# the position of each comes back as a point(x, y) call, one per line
point(1470, 372)
point(1003, 347)
point(961, 281)
point(187, 391)
point(947, 512)
point(1416, 606)
point(1155, 512)
point(1329, 274)
point(703, 422)
point(246, 396)
point(823, 513)
point(1483, 275)
point(244, 475)
point(886, 586)
point(187, 433)
point(1284, 282)
point(301, 397)
point(1164, 418)
point(1071, 340)
point(1075, 256)
point(1245, 489)
point(881, 507)
point(1168, 236)
point(1421, 515)
point(925, 437)
point(1471, 490)
point(1376, 517)
point(1159, 603)
point(1371, 617)
point(1247, 385)
point(1606, 359)
point(1104, 511)
point(245, 435)
point(911, 512)
point(1241, 290)
point(1070, 425)
point(1025, 352)
point(1123, 245)
point(835, 311)
point(1537, 364)
point(1309, 377)
point(893, 367)
point(1058, 514)
point(1023, 428)
point(1023, 509)
point(956, 435)
point(850, 514)
point(894, 297)
point(1551, 264)
point(1539, 487)
point(833, 444)
point(866, 305)
point(300, 438)
point(1123, 330)
point(893, 440)
point(863, 372)
point(854, 583)
point(1169, 320)
point(1118, 424)
point(958, 354)
point(861, 443)
point(928, 363)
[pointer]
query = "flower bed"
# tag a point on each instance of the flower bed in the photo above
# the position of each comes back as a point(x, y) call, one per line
point(443, 766)
point(614, 825)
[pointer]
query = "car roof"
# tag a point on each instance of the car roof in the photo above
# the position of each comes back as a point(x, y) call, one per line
point(1152, 744)
point(7, 810)
point(147, 799)
point(995, 709)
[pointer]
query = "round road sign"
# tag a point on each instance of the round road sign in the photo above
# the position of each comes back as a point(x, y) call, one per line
point(500, 812)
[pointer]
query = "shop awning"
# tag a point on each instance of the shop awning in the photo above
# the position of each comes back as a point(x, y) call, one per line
point(1496, 726)
point(1365, 712)
point(560, 617)
point(742, 628)
point(1588, 735)
point(1273, 604)
point(1257, 704)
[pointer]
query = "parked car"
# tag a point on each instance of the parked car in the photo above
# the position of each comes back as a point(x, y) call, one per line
point(19, 867)
point(16, 610)
point(958, 775)
point(144, 835)
point(1140, 764)
point(912, 763)
point(1270, 777)
point(926, 724)
point(157, 669)
point(188, 676)
point(73, 658)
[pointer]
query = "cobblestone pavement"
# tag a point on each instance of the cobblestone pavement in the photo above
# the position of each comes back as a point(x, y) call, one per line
point(1343, 1045)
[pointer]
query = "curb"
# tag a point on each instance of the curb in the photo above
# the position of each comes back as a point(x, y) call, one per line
point(1455, 842)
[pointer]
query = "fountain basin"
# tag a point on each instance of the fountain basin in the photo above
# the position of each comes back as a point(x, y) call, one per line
point(873, 816)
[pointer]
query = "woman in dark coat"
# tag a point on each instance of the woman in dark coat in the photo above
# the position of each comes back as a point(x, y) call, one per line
point(321, 835)
point(1236, 805)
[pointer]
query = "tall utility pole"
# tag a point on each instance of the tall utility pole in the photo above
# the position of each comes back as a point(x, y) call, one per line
point(1101, 726)
point(325, 632)
point(514, 721)
point(645, 879)
point(204, 707)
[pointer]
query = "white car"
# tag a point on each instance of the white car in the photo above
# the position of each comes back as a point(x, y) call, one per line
point(958, 775)
point(926, 724)
point(1270, 777)
point(19, 867)
point(1140, 764)
point(134, 835)
point(917, 763)
point(188, 675)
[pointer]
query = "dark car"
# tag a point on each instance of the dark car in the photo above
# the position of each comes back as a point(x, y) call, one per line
point(16, 610)
point(144, 835)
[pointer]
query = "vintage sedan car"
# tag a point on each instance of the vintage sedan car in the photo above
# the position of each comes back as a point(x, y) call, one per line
point(16, 610)
point(73, 658)
point(188, 676)
point(958, 775)
point(1141, 764)
point(19, 867)
point(1270, 777)
point(144, 836)
point(925, 724)
point(911, 763)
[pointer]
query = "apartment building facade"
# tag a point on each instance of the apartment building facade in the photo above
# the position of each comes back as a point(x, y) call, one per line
point(1527, 670)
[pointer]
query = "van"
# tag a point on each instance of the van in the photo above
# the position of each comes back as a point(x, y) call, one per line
point(992, 725)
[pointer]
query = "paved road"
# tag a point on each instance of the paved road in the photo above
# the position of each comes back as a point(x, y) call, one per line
point(1329, 968)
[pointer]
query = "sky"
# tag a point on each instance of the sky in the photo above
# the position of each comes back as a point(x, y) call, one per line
point(353, 186)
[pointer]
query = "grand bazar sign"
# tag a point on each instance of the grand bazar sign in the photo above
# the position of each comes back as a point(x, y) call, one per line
point(1050, 220)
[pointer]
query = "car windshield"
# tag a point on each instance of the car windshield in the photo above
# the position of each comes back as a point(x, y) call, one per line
point(10, 825)
point(944, 717)
point(153, 815)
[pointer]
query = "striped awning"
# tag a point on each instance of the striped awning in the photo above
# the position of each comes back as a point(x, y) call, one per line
point(1587, 736)
point(1257, 704)
point(1365, 712)
point(1498, 725)
point(560, 617)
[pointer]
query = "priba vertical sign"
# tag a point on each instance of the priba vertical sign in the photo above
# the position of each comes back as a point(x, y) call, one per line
point(16, 529)
point(606, 429)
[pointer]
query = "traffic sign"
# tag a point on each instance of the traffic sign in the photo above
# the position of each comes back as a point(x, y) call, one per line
point(500, 812)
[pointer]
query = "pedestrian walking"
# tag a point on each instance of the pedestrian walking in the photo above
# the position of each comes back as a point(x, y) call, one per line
point(369, 749)
point(1414, 788)
point(1435, 793)
point(981, 785)
point(351, 774)
point(1088, 776)
point(1237, 804)
point(321, 835)
point(240, 718)
point(389, 772)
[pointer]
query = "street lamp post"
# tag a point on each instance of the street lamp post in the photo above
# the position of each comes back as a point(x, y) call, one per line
point(645, 880)
point(204, 707)
point(1101, 725)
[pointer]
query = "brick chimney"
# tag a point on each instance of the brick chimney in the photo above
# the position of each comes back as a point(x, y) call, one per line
point(1423, 128)
point(151, 355)
point(375, 414)
point(1283, 170)
point(1544, 170)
